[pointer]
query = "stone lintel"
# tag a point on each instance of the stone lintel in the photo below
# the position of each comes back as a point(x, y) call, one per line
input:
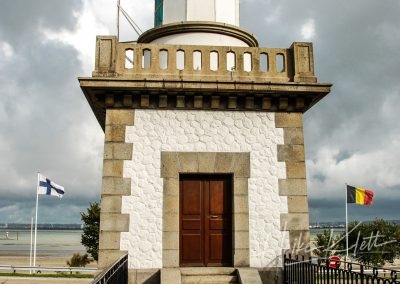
point(223, 163)
point(188, 162)
point(192, 162)
point(205, 160)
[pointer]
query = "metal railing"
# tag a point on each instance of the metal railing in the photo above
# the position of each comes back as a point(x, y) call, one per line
point(117, 273)
point(301, 270)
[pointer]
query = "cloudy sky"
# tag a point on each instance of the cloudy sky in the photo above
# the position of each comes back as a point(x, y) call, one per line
point(46, 125)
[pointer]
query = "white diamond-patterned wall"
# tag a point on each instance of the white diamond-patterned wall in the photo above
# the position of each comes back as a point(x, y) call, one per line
point(156, 131)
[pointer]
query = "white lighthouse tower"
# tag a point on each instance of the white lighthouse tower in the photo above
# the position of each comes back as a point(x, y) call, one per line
point(220, 11)
point(204, 166)
point(198, 22)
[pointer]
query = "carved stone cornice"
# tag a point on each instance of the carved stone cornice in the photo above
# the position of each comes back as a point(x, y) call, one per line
point(103, 93)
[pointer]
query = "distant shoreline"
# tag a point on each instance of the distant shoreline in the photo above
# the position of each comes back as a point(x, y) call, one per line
point(17, 226)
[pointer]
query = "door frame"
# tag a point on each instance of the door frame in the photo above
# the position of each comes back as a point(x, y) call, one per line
point(175, 163)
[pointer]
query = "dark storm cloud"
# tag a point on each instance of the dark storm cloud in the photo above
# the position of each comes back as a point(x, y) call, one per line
point(45, 122)
point(21, 20)
point(334, 210)
point(352, 135)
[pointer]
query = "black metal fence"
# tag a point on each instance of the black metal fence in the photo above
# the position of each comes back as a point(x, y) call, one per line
point(301, 270)
point(115, 274)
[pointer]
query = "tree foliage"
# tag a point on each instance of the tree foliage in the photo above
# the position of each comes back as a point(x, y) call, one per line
point(78, 260)
point(374, 243)
point(326, 244)
point(91, 229)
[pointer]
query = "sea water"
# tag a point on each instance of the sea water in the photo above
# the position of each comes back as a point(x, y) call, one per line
point(64, 243)
point(52, 243)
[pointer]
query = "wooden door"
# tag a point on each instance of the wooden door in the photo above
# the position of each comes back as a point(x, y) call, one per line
point(205, 220)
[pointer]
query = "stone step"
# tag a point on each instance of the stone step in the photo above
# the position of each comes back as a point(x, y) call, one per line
point(209, 279)
point(193, 271)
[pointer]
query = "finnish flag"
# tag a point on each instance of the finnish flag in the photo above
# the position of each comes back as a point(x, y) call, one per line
point(49, 187)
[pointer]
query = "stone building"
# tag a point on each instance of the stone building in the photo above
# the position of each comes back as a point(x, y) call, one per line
point(204, 159)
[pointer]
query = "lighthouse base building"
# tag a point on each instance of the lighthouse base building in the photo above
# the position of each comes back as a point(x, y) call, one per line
point(204, 167)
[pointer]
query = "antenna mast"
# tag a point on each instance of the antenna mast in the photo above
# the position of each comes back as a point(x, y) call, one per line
point(118, 7)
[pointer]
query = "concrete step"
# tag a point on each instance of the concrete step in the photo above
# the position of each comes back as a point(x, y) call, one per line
point(208, 271)
point(249, 276)
point(209, 275)
point(209, 279)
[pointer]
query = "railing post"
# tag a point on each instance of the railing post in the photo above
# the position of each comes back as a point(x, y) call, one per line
point(362, 273)
point(105, 55)
point(303, 61)
point(285, 278)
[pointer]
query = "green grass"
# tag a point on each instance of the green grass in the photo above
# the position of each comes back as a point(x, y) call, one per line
point(54, 275)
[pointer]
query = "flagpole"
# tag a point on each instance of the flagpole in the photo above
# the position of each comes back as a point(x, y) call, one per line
point(36, 219)
point(30, 251)
point(347, 233)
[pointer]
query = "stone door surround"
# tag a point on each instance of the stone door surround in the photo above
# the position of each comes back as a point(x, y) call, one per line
point(175, 163)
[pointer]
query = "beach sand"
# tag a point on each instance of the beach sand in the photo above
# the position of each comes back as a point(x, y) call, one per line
point(40, 261)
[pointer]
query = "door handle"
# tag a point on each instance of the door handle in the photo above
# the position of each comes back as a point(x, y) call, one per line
point(214, 217)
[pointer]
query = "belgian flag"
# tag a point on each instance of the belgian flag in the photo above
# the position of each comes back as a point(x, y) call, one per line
point(359, 195)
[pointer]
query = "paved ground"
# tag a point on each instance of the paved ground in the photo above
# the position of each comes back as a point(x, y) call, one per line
point(32, 280)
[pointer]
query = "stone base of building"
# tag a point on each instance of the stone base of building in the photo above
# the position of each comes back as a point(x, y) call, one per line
point(144, 276)
point(273, 275)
